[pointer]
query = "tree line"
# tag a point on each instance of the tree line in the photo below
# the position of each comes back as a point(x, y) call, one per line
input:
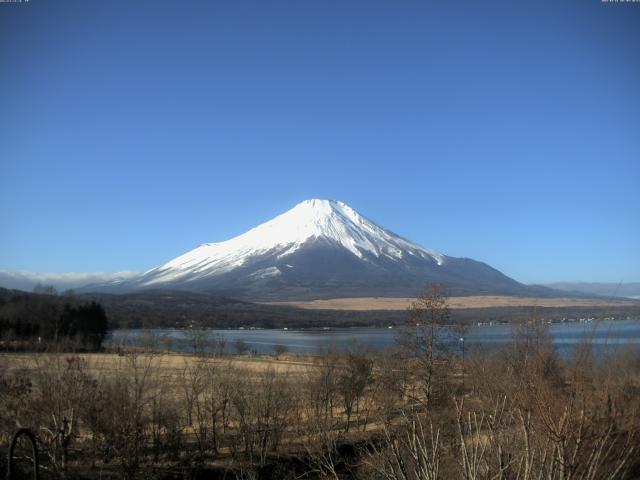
point(44, 317)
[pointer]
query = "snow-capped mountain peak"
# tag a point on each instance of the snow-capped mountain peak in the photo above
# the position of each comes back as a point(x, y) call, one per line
point(327, 220)
point(319, 249)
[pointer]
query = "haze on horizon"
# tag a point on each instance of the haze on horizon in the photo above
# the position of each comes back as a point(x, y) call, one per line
point(503, 132)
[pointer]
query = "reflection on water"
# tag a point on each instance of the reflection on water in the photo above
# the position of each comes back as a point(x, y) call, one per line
point(603, 334)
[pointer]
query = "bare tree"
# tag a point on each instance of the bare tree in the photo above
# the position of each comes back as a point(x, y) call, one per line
point(44, 289)
point(407, 451)
point(191, 383)
point(353, 378)
point(279, 350)
point(423, 339)
point(198, 338)
point(240, 346)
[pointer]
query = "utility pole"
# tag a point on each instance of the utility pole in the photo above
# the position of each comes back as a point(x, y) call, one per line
point(462, 347)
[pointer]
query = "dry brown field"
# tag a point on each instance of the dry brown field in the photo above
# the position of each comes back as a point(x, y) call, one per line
point(393, 303)
point(167, 363)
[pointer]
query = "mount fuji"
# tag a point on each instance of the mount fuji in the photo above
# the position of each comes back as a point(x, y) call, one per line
point(320, 249)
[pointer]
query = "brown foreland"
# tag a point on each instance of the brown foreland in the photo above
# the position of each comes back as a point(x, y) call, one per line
point(394, 303)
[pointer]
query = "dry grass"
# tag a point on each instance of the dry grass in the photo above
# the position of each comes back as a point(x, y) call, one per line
point(240, 412)
point(391, 303)
point(167, 363)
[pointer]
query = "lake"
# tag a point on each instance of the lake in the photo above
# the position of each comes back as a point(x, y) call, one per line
point(605, 334)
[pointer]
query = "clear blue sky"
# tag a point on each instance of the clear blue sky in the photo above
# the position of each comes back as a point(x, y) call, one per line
point(505, 131)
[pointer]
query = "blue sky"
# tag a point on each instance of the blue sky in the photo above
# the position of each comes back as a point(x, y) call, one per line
point(508, 132)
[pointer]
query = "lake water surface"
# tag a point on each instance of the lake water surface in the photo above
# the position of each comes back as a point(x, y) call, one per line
point(604, 335)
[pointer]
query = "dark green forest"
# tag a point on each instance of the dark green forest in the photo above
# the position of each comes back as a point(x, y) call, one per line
point(46, 318)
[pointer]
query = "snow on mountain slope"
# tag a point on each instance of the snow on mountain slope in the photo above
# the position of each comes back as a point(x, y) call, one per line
point(309, 220)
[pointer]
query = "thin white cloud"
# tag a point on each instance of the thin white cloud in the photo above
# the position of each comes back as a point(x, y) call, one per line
point(26, 280)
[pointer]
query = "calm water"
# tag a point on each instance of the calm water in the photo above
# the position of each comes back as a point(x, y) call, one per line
point(604, 335)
